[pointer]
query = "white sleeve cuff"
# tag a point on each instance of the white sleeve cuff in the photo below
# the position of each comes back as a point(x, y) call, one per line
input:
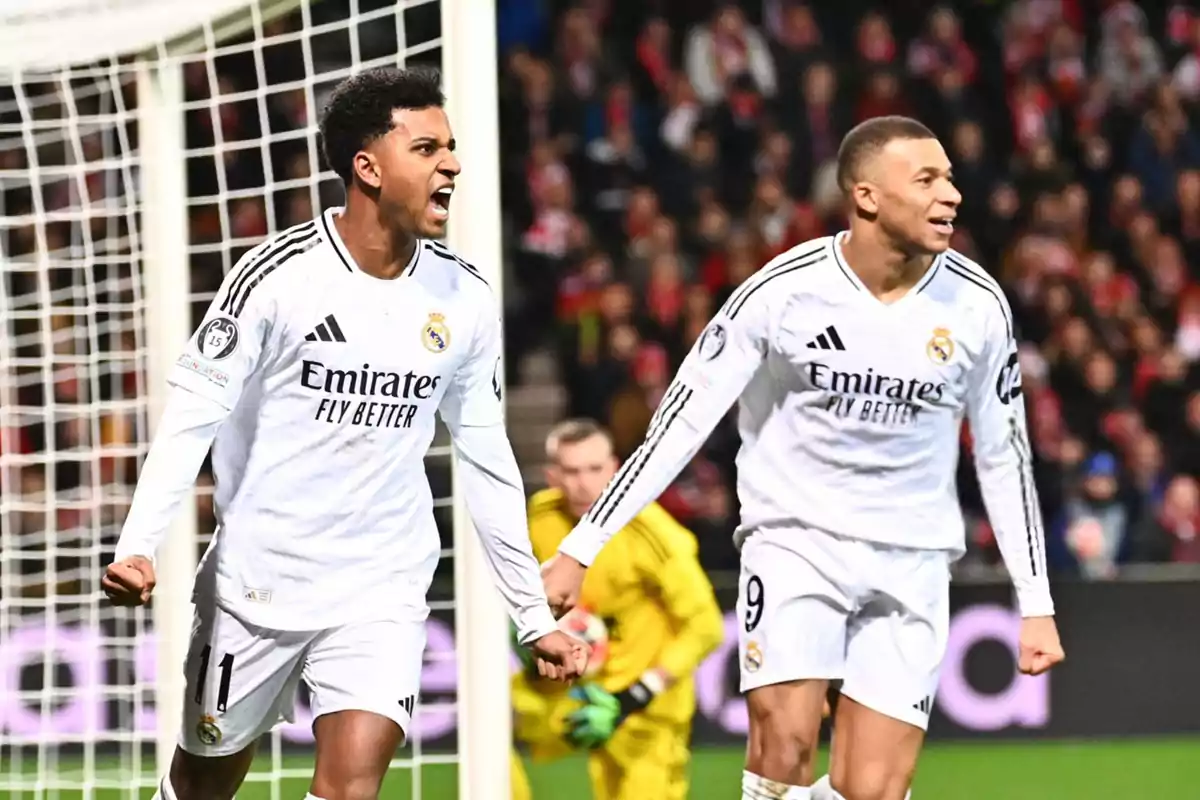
point(584, 543)
point(1035, 602)
point(536, 623)
point(131, 549)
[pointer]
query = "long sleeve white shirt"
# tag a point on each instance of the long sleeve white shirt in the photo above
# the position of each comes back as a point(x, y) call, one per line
point(850, 412)
point(317, 387)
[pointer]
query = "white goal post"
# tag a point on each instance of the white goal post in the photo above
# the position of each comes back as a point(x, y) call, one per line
point(141, 51)
point(469, 58)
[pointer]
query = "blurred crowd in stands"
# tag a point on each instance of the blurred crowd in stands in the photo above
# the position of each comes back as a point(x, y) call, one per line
point(659, 153)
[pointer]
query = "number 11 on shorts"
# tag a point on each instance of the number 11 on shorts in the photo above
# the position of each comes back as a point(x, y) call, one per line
point(226, 667)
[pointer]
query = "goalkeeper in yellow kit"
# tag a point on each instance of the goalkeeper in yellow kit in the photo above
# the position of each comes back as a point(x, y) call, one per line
point(634, 716)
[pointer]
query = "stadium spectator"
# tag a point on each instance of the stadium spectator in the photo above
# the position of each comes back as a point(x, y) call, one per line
point(1096, 519)
point(725, 49)
point(1173, 534)
point(1129, 59)
point(796, 39)
point(874, 43)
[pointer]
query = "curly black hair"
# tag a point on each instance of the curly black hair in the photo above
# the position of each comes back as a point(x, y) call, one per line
point(360, 110)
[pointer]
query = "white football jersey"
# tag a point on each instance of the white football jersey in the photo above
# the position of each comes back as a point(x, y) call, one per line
point(332, 379)
point(850, 411)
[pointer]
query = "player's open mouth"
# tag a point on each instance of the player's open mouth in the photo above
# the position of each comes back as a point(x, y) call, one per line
point(439, 202)
point(943, 225)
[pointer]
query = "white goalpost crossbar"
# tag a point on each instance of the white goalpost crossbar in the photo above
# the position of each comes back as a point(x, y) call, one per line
point(32, 43)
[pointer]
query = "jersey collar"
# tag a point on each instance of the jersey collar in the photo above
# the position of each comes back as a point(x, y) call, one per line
point(339, 247)
point(835, 245)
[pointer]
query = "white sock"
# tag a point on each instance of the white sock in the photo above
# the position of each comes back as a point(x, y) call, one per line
point(756, 787)
point(165, 791)
point(822, 790)
point(311, 796)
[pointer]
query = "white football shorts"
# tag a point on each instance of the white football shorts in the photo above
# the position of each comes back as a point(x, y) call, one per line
point(817, 606)
point(242, 680)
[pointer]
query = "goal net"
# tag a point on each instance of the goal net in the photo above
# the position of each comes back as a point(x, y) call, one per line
point(144, 146)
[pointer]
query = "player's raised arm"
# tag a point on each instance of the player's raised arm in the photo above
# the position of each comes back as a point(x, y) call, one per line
point(1004, 462)
point(711, 379)
point(495, 494)
point(206, 383)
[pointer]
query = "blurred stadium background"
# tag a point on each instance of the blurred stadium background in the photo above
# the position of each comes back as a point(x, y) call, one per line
point(654, 155)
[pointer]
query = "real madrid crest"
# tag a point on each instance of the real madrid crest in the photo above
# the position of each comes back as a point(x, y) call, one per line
point(435, 335)
point(753, 660)
point(940, 347)
point(207, 731)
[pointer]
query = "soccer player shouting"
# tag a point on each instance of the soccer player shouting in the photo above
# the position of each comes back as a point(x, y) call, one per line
point(316, 376)
point(855, 359)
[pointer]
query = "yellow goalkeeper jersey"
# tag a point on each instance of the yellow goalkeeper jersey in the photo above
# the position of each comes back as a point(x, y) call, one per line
point(650, 590)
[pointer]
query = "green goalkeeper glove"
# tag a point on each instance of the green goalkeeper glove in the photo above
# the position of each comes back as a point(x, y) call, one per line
point(603, 712)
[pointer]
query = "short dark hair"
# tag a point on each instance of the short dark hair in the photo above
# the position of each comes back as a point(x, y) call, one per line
point(868, 138)
point(360, 109)
point(574, 431)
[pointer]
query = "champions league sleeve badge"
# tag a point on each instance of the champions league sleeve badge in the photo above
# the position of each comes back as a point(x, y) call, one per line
point(217, 339)
point(712, 341)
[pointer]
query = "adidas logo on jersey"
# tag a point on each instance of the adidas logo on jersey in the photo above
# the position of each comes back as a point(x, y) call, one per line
point(327, 331)
point(829, 340)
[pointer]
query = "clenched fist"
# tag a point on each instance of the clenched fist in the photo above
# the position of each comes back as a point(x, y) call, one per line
point(1038, 646)
point(129, 582)
point(563, 578)
point(560, 657)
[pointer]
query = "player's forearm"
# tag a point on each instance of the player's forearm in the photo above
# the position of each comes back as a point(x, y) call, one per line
point(184, 436)
point(712, 377)
point(676, 433)
point(1004, 464)
point(1012, 504)
point(491, 482)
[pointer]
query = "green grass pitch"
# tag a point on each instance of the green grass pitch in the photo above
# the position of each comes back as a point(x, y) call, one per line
point(1090, 770)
